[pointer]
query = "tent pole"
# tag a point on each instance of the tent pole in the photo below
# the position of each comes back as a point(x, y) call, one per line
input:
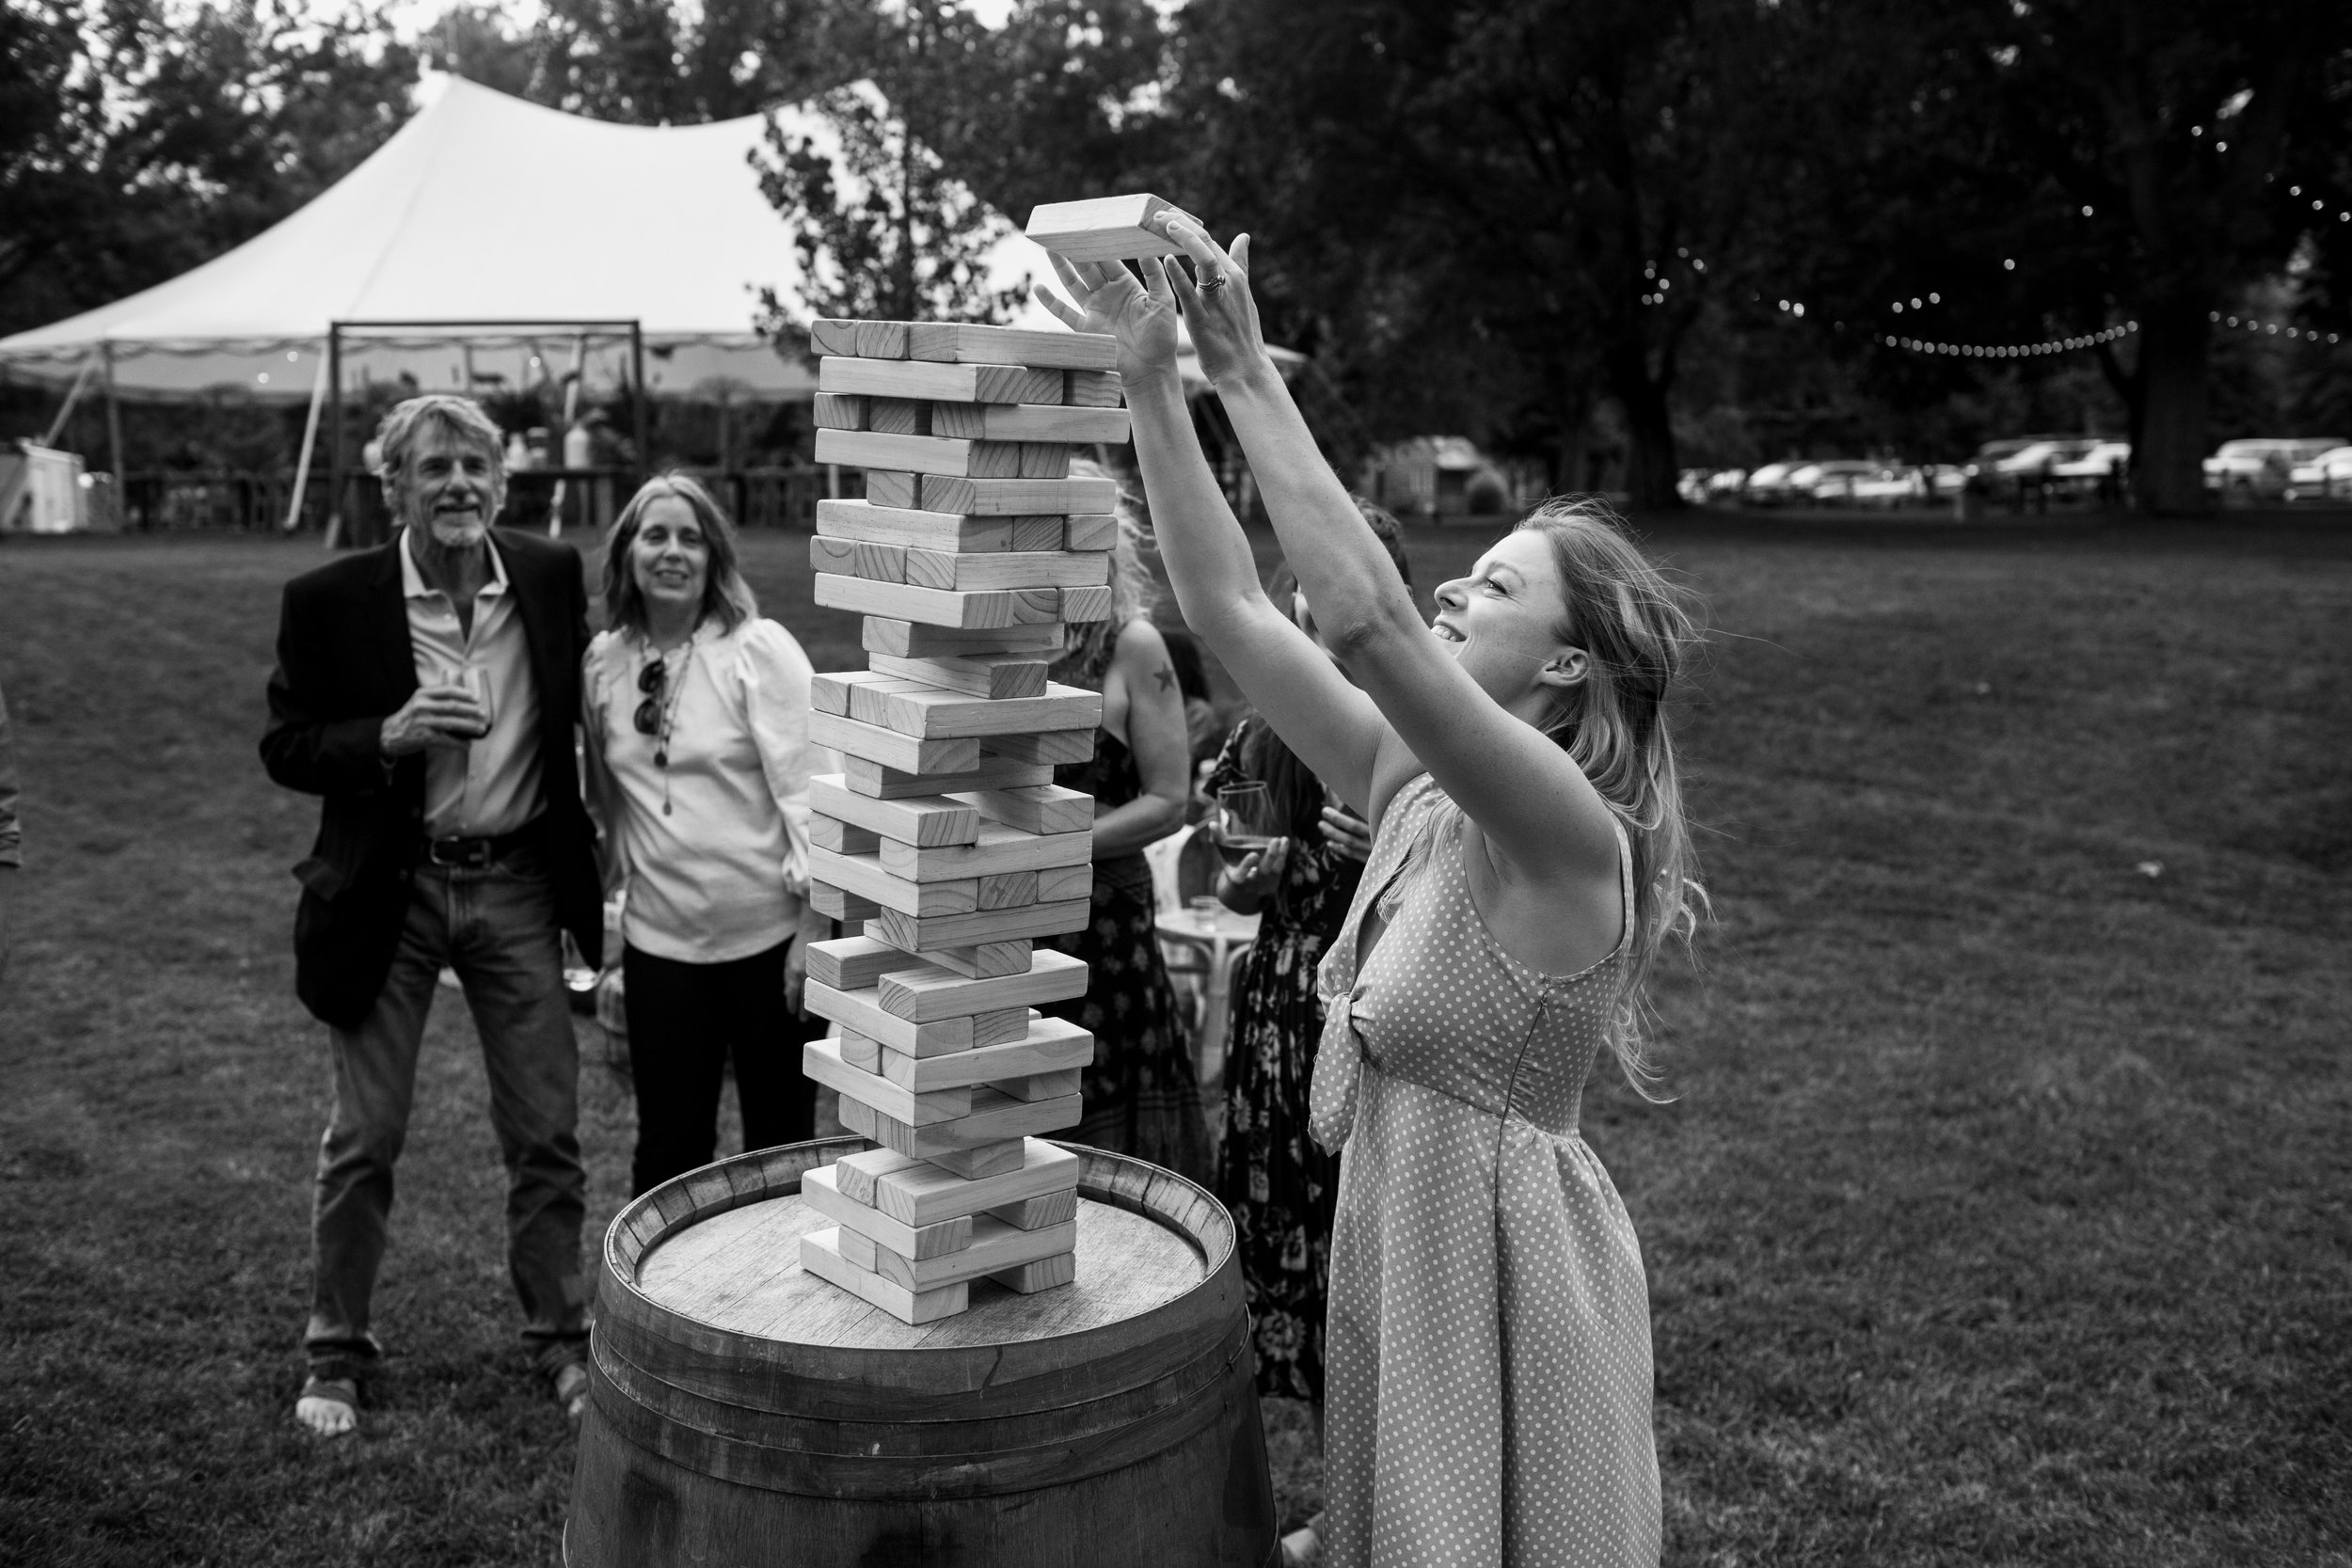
point(637, 372)
point(114, 423)
point(72, 397)
point(309, 439)
point(334, 433)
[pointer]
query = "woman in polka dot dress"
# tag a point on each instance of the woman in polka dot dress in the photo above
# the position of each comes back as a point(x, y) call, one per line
point(1487, 1341)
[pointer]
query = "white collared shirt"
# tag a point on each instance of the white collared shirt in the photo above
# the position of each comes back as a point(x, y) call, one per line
point(490, 786)
point(720, 875)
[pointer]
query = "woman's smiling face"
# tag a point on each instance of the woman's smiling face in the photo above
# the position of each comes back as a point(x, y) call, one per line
point(1502, 622)
point(669, 557)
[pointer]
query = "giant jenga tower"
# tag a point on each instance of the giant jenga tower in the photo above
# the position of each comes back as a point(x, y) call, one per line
point(945, 833)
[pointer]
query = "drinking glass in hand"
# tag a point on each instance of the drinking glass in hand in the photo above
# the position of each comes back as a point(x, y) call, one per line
point(476, 680)
point(1244, 821)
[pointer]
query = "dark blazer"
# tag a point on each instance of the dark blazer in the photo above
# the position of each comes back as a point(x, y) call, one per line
point(344, 665)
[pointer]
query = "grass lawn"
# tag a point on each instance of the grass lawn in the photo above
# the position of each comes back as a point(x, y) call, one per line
point(2002, 1214)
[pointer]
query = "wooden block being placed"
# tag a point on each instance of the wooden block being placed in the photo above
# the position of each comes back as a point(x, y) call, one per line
point(884, 782)
point(1038, 534)
point(995, 421)
point(822, 1192)
point(943, 607)
point(1033, 1213)
point(1007, 497)
point(1080, 605)
point(858, 964)
point(843, 838)
point(1045, 808)
point(857, 1010)
point(1044, 460)
point(923, 991)
point(864, 1053)
point(821, 1060)
point(1105, 227)
point(966, 343)
point(996, 849)
point(1046, 1274)
point(947, 383)
point(984, 960)
point(994, 1245)
point(820, 1255)
point(1001, 569)
point(949, 756)
point(994, 676)
point(917, 640)
point(836, 904)
point(839, 411)
point(881, 339)
point(918, 1194)
point(898, 491)
point(1053, 1046)
point(861, 876)
point(1042, 1085)
point(1030, 921)
point(1085, 531)
point(929, 531)
point(923, 821)
point(1005, 890)
point(899, 417)
point(919, 455)
point(827, 335)
point(911, 708)
point(1093, 389)
point(861, 558)
point(1054, 747)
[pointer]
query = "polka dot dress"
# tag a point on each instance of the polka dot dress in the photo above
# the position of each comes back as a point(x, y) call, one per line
point(1488, 1345)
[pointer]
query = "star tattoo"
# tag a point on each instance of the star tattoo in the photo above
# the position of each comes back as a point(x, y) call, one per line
point(1166, 676)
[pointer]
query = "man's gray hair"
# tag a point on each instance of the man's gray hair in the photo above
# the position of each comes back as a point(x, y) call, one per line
point(461, 417)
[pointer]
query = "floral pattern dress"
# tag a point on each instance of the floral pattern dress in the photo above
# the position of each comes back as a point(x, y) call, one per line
point(1281, 1187)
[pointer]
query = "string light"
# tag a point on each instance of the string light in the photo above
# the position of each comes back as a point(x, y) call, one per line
point(2272, 329)
point(2010, 351)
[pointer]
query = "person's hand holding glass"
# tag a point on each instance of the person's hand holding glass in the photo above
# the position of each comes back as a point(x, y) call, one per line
point(1255, 853)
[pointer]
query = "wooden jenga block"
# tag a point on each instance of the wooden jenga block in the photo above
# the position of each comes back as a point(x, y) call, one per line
point(917, 1192)
point(829, 689)
point(923, 821)
point(1000, 569)
point(990, 1156)
point(881, 339)
point(1034, 1214)
point(899, 417)
point(836, 904)
point(1045, 808)
point(884, 782)
point(1008, 497)
point(994, 676)
point(1093, 389)
point(896, 491)
point(947, 383)
point(830, 336)
point(929, 531)
point(1058, 883)
point(920, 640)
point(1106, 228)
point(860, 558)
point(913, 708)
point(1051, 1046)
point(822, 1192)
point(864, 1053)
point(863, 877)
point(1044, 460)
point(820, 1255)
point(966, 343)
point(984, 960)
point(916, 934)
point(1085, 531)
point(859, 963)
point(1005, 890)
point(996, 421)
point(857, 1010)
point(1039, 1086)
point(1046, 1274)
point(839, 411)
point(988, 1160)
point(919, 455)
point(996, 848)
point(949, 756)
point(1002, 1027)
point(994, 1245)
point(939, 607)
point(821, 1060)
point(1053, 747)
point(921, 992)
point(843, 838)
point(1079, 605)
point(1038, 534)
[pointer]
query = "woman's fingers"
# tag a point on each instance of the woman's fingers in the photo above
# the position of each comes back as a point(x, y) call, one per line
point(1241, 251)
point(1068, 315)
point(1205, 252)
point(1155, 279)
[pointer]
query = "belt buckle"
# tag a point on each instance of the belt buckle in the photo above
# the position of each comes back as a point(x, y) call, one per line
point(467, 855)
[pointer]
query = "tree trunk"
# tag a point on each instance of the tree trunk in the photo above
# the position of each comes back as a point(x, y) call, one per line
point(1650, 469)
point(2174, 342)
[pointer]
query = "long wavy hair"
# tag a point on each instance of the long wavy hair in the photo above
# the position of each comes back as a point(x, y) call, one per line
point(1087, 646)
point(1638, 635)
point(725, 594)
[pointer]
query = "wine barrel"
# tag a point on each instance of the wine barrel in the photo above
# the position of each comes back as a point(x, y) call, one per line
point(746, 1413)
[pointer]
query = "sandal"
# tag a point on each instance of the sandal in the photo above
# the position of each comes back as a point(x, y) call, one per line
point(332, 1390)
point(572, 1382)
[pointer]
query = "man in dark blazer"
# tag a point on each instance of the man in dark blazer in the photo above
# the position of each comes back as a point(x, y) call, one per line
point(428, 690)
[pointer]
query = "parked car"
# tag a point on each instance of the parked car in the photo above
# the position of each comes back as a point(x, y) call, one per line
point(1769, 484)
point(2327, 475)
point(2099, 471)
point(2040, 459)
point(1989, 456)
point(1945, 479)
point(1725, 485)
point(1833, 481)
point(2262, 466)
point(1890, 487)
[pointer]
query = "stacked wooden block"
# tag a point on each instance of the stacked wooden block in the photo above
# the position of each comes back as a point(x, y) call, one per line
point(944, 834)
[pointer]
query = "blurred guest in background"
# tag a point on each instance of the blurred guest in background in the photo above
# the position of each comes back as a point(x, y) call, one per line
point(427, 690)
point(695, 711)
point(11, 839)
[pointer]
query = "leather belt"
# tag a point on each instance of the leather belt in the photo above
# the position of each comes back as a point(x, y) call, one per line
point(478, 854)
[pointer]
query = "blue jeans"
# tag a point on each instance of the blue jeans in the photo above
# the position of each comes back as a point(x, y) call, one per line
point(495, 927)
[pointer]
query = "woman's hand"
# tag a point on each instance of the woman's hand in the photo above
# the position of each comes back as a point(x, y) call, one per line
point(1216, 301)
point(1347, 832)
point(1110, 300)
point(1245, 888)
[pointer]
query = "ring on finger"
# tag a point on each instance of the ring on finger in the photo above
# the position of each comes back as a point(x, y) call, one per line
point(1212, 282)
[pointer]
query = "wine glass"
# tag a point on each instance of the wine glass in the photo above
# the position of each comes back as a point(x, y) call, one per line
point(1246, 823)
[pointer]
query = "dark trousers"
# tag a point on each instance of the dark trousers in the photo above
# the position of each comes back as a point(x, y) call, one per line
point(685, 1020)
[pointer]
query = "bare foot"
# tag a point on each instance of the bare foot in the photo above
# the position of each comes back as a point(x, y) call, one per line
point(1301, 1549)
point(329, 1407)
point(571, 1388)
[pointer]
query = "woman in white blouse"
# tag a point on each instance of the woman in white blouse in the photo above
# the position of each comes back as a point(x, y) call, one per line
point(697, 716)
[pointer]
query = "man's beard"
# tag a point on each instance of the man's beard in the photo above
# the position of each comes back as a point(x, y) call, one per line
point(457, 531)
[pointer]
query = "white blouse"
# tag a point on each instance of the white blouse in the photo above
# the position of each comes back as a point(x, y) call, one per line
point(722, 872)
